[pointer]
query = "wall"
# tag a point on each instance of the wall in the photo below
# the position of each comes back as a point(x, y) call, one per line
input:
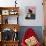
point(23, 4)
point(39, 13)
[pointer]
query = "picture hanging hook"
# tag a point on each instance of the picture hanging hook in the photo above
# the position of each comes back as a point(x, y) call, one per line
point(15, 3)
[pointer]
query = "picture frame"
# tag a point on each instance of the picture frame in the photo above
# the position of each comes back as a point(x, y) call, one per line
point(5, 12)
point(13, 12)
point(31, 12)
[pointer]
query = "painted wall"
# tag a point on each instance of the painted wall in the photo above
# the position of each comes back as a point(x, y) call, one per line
point(23, 4)
point(39, 13)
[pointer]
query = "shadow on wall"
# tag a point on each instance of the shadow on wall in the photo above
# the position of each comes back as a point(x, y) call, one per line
point(37, 29)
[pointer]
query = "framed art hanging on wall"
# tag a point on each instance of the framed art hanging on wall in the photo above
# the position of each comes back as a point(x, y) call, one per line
point(31, 12)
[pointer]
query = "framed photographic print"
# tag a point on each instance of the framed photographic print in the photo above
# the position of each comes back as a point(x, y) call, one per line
point(31, 12)
point(5, 12)
point(13, 12)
